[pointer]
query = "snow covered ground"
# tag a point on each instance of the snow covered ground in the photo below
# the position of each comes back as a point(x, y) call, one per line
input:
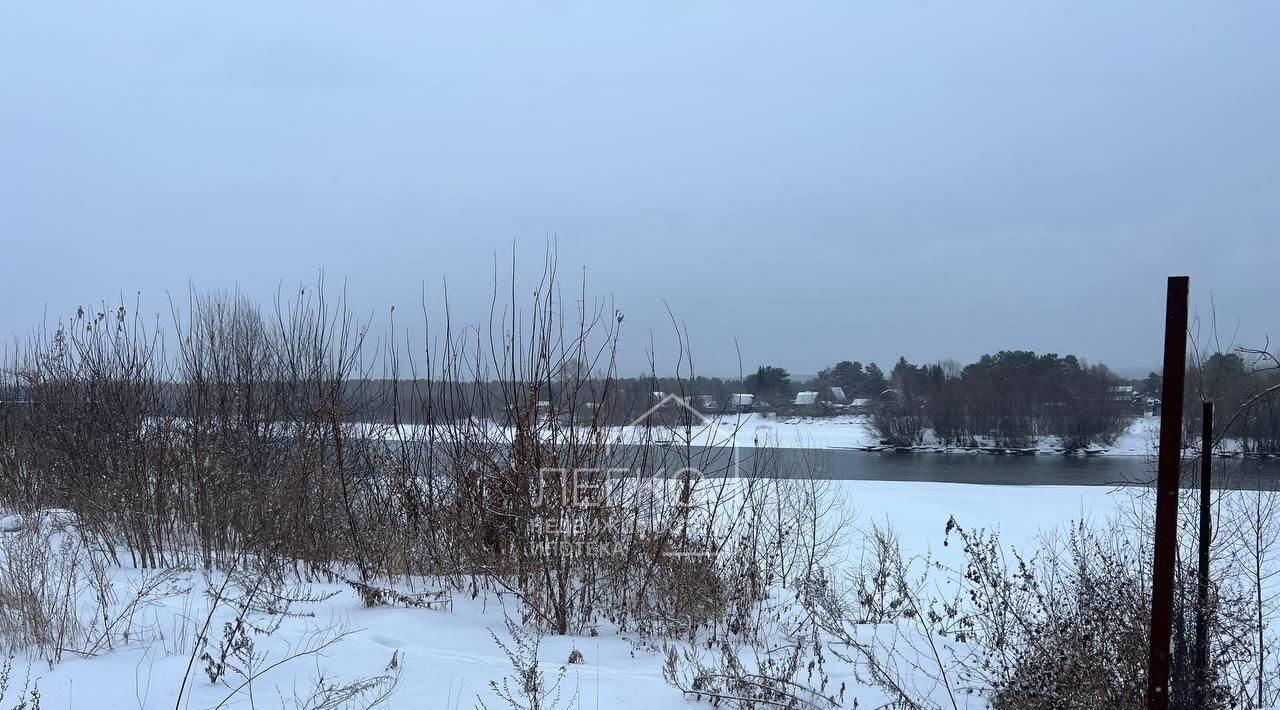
point(839, 432)
point(854, 432)
point(446, 657)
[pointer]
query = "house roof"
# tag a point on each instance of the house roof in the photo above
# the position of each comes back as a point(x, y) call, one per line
point(806, 398)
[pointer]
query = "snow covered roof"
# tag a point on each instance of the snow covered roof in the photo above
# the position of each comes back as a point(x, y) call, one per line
point(741, 400)
point(806, 398)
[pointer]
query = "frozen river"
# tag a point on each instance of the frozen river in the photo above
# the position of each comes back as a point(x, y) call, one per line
point(972, 468)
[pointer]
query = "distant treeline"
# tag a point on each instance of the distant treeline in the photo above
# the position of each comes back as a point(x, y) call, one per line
point(1010, 399)
point(1245, 391)
point(231, 357)
point(1013, 397)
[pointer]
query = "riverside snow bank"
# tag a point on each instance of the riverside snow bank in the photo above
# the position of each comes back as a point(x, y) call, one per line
point(447, 657)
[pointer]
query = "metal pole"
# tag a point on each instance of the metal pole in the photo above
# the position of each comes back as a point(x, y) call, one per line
point(1202, 568)
point(1175, 373)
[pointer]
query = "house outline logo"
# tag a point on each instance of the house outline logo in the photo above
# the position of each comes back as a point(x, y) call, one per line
point(699, 417)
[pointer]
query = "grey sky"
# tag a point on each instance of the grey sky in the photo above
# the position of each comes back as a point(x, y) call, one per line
point(820, 181)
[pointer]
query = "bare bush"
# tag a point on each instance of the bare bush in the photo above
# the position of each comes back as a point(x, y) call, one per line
point(528, 687)
point(720, 676)
point(892, 627)
point(42, 574)
point(259, 600)
point(28, 697)
point(57, 596)
point(899, 423)
point(1057, 631)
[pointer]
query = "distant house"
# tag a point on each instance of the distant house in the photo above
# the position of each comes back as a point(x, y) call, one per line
point(804, 399)
point(1123, 393)
point(705, 402)
point(1128, 396)
point(860, 405)
point(740, 402)
point(837, 395)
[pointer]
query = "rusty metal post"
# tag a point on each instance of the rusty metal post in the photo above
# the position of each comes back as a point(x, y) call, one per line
point(1171, 394)
point(1202, 567)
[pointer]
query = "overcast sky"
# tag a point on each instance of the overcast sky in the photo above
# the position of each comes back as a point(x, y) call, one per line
point(819, 181)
